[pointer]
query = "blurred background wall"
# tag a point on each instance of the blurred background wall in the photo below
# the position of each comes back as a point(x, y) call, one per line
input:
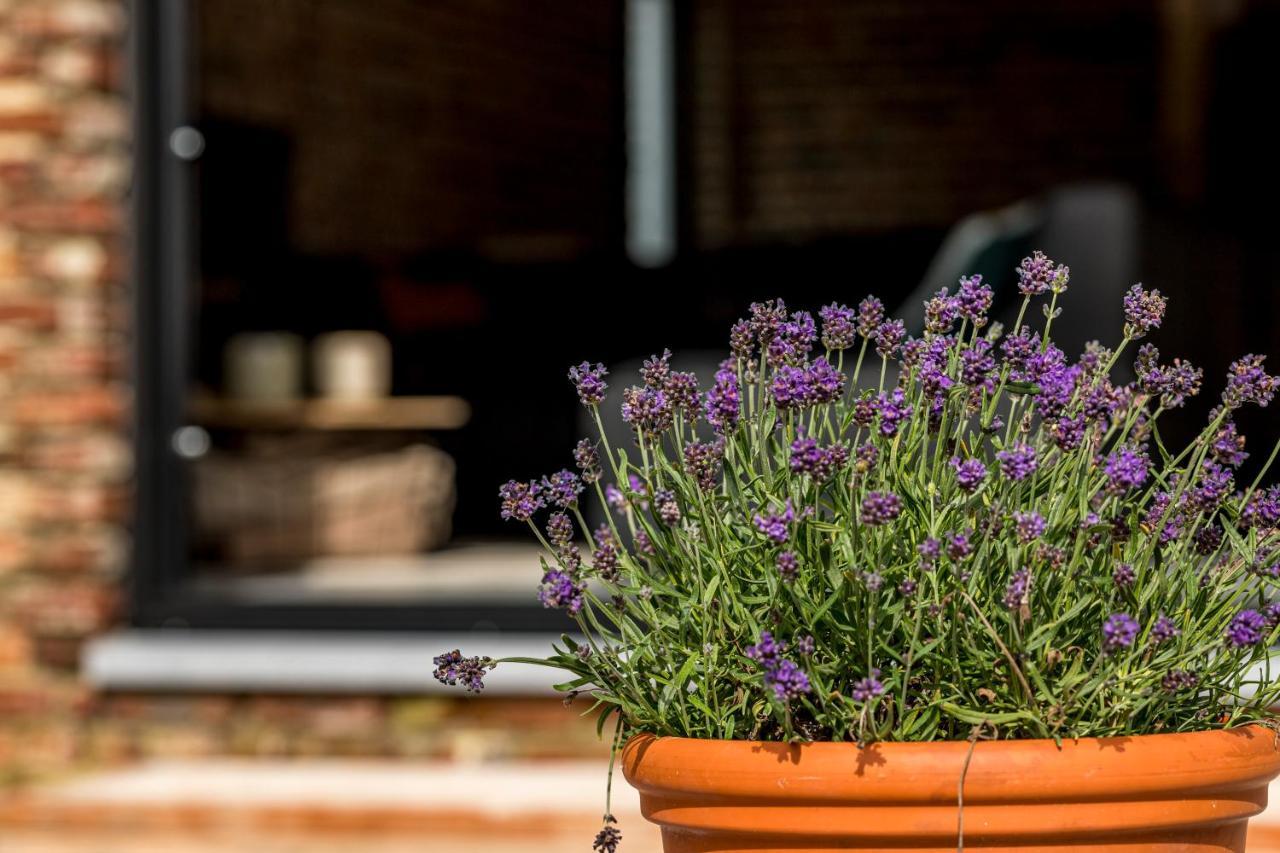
point(457, 178)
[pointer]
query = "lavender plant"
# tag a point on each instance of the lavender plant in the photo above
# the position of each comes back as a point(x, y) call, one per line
point(809, 549)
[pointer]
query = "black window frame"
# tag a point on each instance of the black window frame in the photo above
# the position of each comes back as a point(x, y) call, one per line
point(164, 262)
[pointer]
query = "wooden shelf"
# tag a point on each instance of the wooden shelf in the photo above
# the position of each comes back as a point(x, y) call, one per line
point(390, 413)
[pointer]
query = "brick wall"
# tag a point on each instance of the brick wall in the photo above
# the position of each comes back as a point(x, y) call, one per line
point(478, 124)
point(813, 118)
point(64, 458)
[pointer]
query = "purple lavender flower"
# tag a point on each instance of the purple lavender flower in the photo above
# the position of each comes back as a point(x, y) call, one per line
point(1248, 628)
point(929, 550)
point(806, 455)
point(1272, 614)
point(647, 410)
point(766, 320)
point(560, 590)
point(1262, 509)
point(1028, 525)
point(788, 565)
point(907, 588)
point(778, 526)
point(838, 331)
point(605, 557)
point(867, 454)
point(681, 389)
point(1143, 311)
point(977, 366)
point(958, 546)
point(1216, 482)
point(1177, 680)
point(1018, 462)
point(1057, 385)
point(1163, 630)
point(870, 316)
point(783, 675)
point(740, 339)
point(589, 382)
point(588, 460)
point(520, 500)
point(1119, 632)
point(866, 689)
point(1125, 469)
point(1123, 575)
point(973, 300)
point(825, 382)
point(559, 530)
point(453, 669)
point(703, 461)
point(791, 388)
point(969, 473)
point(934, 361)
point(1248, 382)
point(889, 336)
point(787, 680)
point(880, 508)
point(1181, 380)
point(1208, 539)
point(912, 350)
point(1015, 594)
point(1018, 348)
point(615, 497)
point(724, 402)
point(767, 649)
point(644, 545)
point(940, 313)
point(608, 838)
point(664, 501)
point(865, 409)
point(894, 409)
point(803, 645)
point(656, 369)
point(1067, 432)
point(872, 581)
point(1150, 374)
point(1038, 274)
point(562, 488)
point(1228, 446)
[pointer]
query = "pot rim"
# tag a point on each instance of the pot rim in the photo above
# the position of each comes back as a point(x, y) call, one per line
point(1259, 726)
point(928, 772)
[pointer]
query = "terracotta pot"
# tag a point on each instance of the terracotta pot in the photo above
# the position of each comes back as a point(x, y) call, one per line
point(1184, 792)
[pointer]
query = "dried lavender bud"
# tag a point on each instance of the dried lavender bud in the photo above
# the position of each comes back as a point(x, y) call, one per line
point(608, 838)
point(454, 669)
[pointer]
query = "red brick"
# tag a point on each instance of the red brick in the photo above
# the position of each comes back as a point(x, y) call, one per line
point(89, 405)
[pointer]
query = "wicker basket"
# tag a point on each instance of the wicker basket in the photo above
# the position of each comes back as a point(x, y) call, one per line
point(299, 503)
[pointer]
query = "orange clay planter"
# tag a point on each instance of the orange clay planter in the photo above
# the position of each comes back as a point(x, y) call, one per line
point(1183, 792)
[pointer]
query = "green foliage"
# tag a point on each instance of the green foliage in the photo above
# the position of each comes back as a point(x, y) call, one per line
point(672, 639)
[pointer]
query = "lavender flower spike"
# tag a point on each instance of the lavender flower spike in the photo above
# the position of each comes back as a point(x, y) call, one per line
point(1119, 632)
point(1248, 628)
point(589, 382)
point(1143, 311)
point(453, 669)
